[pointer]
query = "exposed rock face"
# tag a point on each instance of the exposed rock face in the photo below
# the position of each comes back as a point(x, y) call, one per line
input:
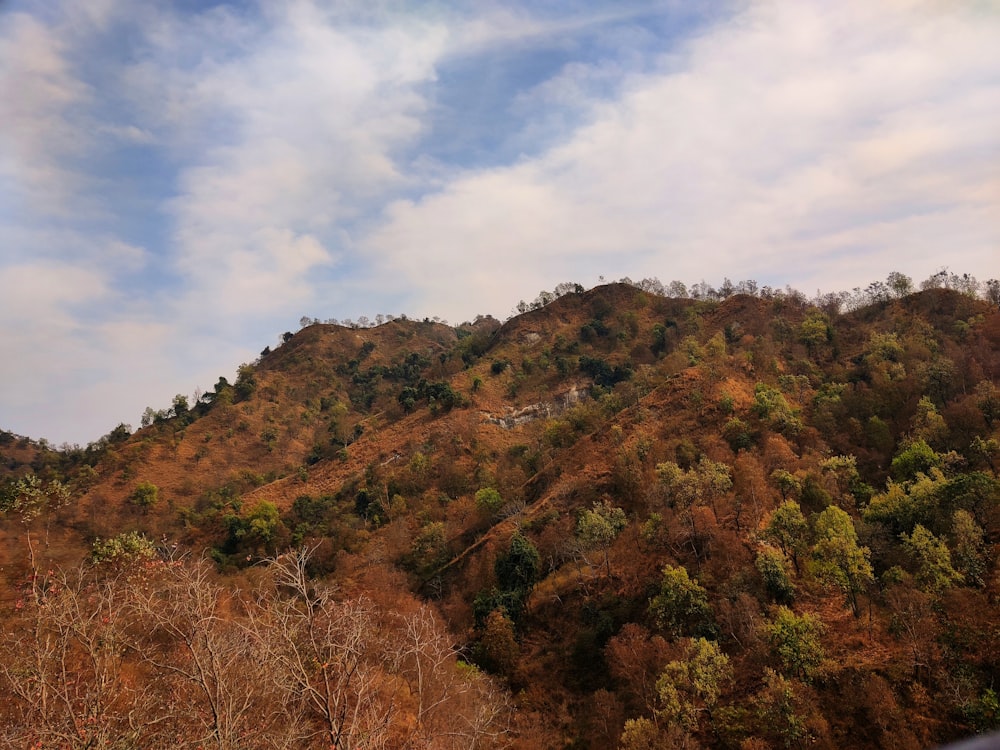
point(515, 417)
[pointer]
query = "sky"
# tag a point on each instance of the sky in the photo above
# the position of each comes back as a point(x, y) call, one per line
point(181, 182)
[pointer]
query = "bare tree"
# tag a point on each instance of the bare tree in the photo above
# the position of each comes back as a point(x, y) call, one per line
point(62, 659)
point(456, 706)
point(326, 652)
point(158, 654)
point(210, 667)
point(367, 678)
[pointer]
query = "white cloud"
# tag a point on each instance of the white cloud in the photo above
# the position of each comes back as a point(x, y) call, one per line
point(37, 90)
point(123, 256)
point(45, 285)
point(69, 377)
point(807, 142)
point(129, 134)
point(288, 129)
point(38, 308)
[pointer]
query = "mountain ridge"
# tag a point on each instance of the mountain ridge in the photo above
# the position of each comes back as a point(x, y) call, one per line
point(653, 435)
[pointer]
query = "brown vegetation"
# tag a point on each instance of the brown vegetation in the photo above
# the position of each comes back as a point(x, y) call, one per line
point(620, 519)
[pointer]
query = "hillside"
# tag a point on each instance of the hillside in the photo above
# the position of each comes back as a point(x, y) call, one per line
point(647, 521)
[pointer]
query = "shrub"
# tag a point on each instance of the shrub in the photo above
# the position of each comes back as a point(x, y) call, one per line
point(129, 545)
point(488, 500)
point(145, 495)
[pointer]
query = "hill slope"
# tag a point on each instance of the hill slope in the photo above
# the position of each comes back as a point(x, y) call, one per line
point(745, 523)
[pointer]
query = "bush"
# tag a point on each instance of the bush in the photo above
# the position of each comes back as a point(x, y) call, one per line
point(604, 374)
point(429, 550)
point(129, 545)
point(145, 495)
point(246, 381)
point(488, 500)
point(517, 571)
point(737, 434)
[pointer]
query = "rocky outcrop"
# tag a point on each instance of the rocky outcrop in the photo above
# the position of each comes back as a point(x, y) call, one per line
point(512, 418)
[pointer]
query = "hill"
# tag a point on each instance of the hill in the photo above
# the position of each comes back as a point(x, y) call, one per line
point(648, 521)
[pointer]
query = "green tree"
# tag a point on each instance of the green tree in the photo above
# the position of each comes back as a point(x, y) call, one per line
point(148, 417)
point(788, 528)
point(967, 547)
point(932, 559)
point(915, 458)
point(928, 424)
point(598, 528)
point(488, 500)
point(692, 685)
point(837, 558)
point(900, 284)
point(773, 571)
point(983, 451)
point(988, 401)
point(796, 641)
point(180, 406)
point(904, 505)
point(263, 522)
point(246, 381)
point(145, 496)
point(430, 548)
point(703, 482)
point(737, 433)
point(843, 472)
point(778, 707)
point(517, 570)
point(30, 497)
point(681, 606)
point(28, 500)
point(787, 483)
point(939, 378)
point(815, 331)
point(223, 393)
point(771, 407)
point(885, 358)
point(689, 488)
point(519, 567)
point(641, 733)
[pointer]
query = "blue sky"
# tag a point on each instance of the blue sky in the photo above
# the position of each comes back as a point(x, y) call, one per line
point(181, 182)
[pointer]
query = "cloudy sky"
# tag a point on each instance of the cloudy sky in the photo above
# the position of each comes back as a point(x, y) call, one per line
point(181, 181)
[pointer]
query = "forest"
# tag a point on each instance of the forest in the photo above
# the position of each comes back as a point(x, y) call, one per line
point(638, 516)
